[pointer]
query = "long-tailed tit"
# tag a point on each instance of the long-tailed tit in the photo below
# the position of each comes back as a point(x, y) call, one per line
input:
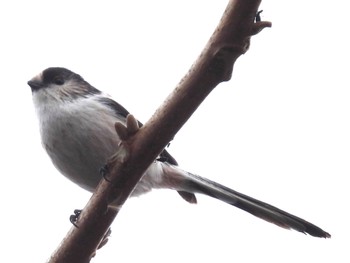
point(77, 131)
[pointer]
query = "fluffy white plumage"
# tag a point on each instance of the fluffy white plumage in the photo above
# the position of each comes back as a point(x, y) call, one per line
point(77, 131)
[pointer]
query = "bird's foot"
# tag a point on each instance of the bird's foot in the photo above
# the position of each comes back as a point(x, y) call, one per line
point(104, 172)
point(74, 218)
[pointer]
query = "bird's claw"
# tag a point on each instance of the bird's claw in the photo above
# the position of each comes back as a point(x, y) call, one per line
point(257, 16)
point(74, 218)
point(104, 172)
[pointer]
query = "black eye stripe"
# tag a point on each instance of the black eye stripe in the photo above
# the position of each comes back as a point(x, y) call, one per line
point(58, 80)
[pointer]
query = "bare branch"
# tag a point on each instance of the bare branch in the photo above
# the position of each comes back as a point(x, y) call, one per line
point(140, 147)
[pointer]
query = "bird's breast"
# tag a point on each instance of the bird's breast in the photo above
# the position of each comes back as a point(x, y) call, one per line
point(79, 143)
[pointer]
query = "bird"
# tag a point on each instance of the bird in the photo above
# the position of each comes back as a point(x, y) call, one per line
point(77, 128)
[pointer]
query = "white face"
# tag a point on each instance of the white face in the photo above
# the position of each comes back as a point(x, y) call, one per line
point(57, 85)
point(44, 94)
point(53, 93)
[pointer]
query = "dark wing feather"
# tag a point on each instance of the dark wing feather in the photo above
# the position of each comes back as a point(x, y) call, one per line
point(121, 111)
point(115, 106)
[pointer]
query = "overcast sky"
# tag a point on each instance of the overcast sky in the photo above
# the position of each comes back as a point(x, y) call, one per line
point(286, 141)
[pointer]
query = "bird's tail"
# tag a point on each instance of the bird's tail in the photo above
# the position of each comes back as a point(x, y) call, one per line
point(196, 184)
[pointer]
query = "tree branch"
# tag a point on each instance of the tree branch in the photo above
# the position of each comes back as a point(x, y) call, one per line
point(140, 147)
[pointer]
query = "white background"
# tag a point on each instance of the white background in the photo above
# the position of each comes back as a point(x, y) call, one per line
point(278, 131)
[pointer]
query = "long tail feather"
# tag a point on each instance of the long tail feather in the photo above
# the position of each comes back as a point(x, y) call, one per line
point(197, 184)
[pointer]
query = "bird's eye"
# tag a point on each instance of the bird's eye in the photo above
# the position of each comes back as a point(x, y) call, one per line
point(58, 81)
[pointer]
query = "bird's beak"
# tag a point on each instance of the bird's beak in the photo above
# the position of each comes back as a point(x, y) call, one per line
point(35, 84)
